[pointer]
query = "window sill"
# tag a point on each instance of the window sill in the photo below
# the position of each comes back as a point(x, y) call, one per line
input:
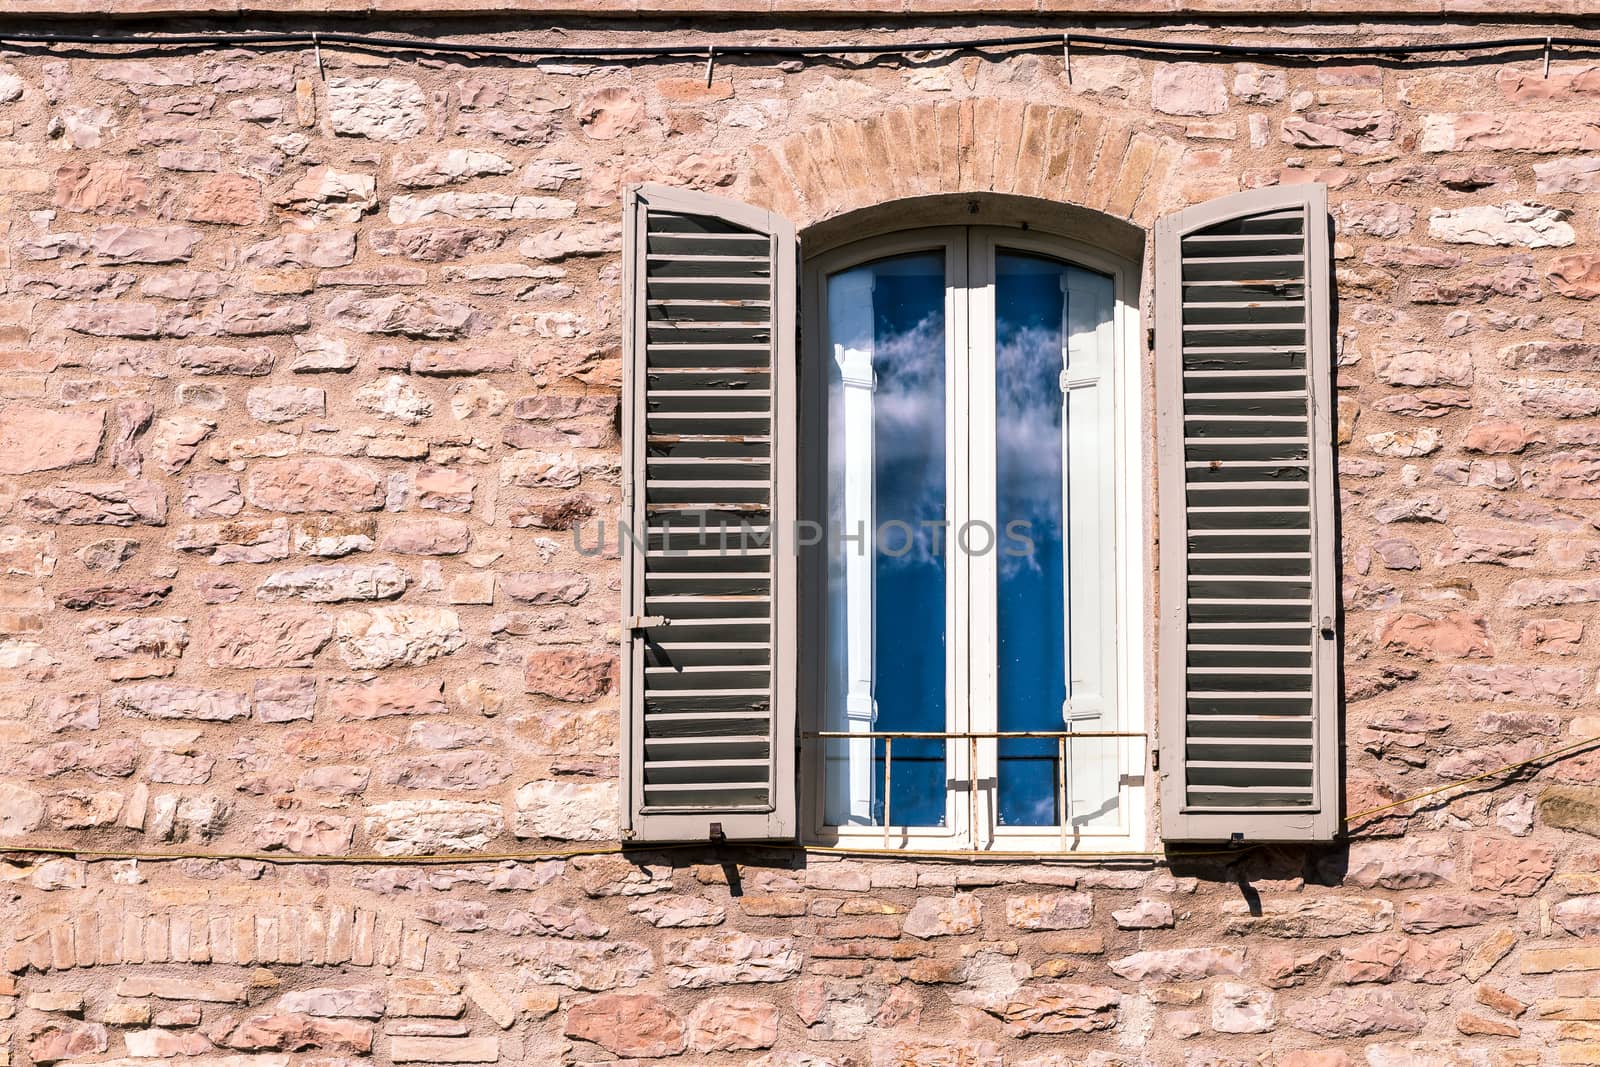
point(1044, 844)
point(1130, 854)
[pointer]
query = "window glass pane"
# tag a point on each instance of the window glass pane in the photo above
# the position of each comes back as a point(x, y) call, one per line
point(1052, 451)
point(886, 485)
point(1029, 305)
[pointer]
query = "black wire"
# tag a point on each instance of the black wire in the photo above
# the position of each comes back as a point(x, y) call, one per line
point(408, 43)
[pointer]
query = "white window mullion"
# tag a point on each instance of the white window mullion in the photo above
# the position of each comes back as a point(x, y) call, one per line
point(982, 584)
point(851, 326)
point(967, 668)
point(1075, 381)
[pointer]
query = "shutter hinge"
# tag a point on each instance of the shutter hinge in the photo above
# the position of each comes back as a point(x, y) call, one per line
point(716, 835)
point(645, 622)
point(1155, 759)
point(1326, 625)
point(1064, 385)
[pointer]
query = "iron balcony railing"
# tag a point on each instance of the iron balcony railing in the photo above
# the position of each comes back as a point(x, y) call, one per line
point(1062, 738)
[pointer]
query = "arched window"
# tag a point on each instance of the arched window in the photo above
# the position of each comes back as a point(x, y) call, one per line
point(972, 395)
point(911, 539)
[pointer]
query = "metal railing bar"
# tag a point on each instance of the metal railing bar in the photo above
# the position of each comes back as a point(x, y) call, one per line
point(972, 790)
point(888, 786)
point(980, 735)
point(1062, 738)
point(1064, 815)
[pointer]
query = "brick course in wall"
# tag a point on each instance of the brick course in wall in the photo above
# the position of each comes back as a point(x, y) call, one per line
point(306, 377)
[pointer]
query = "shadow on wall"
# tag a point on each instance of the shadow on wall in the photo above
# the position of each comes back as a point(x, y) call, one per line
point(1257, 870)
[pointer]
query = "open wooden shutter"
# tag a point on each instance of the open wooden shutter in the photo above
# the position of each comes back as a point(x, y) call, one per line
point(709, 595)
point(1249, 594)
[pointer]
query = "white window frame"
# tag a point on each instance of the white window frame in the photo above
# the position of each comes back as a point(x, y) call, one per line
point(971, 676)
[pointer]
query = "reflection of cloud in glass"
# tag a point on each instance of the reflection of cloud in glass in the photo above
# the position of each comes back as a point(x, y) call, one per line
point(908, 414)
point(910, 395)
point(1028, 437)
point(1037, 809)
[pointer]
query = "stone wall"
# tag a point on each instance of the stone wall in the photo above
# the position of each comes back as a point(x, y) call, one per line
point(307, 376)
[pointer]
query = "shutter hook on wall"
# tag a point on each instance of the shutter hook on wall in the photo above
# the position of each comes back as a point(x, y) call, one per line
point(711, 60)
point(1066, 56)
point(316, 50)
point(1547, 42)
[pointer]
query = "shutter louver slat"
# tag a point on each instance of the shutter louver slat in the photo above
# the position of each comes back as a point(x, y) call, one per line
point(1247, 702)
point(709, 724)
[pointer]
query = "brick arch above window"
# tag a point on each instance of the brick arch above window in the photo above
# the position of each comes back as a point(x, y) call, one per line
point(1102, 162)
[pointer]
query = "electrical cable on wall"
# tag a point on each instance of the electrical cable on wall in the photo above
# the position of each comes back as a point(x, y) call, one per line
point(1542, 45)
point(467, 859)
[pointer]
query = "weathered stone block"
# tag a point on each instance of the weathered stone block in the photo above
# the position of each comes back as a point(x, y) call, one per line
point(567, 811)
point(729, 959)
point(628, 1025)
point(415, 827)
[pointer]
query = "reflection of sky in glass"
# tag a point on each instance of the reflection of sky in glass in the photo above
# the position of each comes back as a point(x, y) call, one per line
point(908, 450)
point(1029, 306)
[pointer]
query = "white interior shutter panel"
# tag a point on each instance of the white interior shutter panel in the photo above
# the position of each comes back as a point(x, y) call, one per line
point(709, 595)
point(1249, 594)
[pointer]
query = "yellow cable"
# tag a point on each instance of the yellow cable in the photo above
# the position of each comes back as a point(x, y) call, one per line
point(605, 850)
point(1350, 819)
point(358, 859)
point(613, 850)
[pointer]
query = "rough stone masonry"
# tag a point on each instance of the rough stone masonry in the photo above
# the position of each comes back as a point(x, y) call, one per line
point(306, 375)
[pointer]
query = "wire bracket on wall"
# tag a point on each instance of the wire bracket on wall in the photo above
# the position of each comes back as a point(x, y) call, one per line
point(711, 62)
point(1066, 56)
point(1547, 59)
point(316, 50)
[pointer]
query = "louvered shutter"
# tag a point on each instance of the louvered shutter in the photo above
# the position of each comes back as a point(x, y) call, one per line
point(1248, 710)
point(709, 595)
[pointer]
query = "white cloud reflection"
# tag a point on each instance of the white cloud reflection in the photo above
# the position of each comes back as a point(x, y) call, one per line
point(1028, 445)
